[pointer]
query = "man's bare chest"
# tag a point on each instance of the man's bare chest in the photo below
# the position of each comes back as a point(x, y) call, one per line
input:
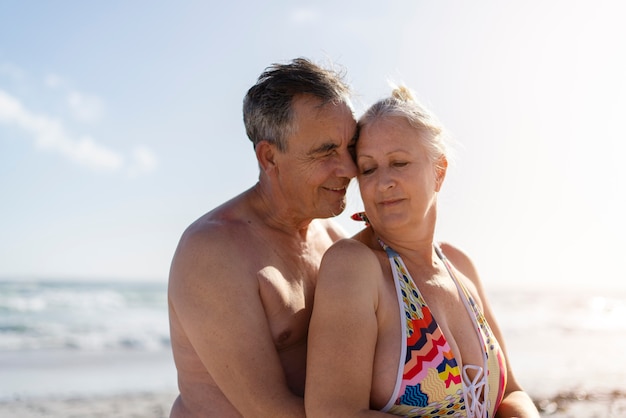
point(287, 297)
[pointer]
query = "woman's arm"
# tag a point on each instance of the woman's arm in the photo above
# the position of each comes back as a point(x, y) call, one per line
point(343, 333)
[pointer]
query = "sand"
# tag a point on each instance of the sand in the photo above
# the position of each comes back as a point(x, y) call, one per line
point(157, 405)
point(81, 384)
point(139, 405)
point(584, 405)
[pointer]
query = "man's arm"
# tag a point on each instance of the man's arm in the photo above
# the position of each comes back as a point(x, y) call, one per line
point(218, 304)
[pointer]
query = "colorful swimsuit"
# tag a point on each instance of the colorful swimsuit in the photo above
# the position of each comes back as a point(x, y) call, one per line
point(430, 382)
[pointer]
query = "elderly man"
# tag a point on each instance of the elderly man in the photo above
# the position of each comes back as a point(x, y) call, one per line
point(243, 276)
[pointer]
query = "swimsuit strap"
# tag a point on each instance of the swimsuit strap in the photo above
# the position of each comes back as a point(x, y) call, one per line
point(472, 388)
point(395, 260)
point(479, 385)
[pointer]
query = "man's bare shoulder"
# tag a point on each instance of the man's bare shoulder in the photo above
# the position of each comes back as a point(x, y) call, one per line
point(214, 247)
point(334, 230)
point(222, 227)
point(213, 229)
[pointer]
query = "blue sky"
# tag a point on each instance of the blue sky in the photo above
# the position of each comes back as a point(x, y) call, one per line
point(120, 123)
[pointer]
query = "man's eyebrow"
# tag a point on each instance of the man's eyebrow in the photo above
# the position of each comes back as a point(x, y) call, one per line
point(324, 148)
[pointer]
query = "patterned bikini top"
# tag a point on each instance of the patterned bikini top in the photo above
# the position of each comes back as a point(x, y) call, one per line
point(429, 382)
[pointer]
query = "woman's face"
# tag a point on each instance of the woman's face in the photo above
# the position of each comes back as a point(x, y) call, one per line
point(397, 180)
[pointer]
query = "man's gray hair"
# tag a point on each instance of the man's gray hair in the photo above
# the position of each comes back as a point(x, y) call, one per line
point(267, 107)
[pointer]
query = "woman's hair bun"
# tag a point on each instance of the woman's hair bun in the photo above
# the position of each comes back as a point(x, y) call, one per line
point(403, 94)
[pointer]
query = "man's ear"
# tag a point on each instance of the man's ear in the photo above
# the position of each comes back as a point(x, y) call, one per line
point(441, 167)
point(265, 154)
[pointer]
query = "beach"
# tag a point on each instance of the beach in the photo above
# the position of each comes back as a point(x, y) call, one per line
point(87, 384)
point(139, 405)
point(76, 349)
point(566, 348)
point(157, 405)
point(114, 360)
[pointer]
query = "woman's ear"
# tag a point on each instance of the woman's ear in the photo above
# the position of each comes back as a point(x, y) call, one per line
point(441, 167)
point(265, 155)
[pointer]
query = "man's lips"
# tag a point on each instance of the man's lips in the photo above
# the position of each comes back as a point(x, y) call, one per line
point(341, 189)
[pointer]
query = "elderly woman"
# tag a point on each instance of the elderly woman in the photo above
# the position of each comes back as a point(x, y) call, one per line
point(401, 324)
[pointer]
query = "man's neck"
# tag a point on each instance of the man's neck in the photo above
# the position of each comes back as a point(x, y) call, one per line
point(275, 212)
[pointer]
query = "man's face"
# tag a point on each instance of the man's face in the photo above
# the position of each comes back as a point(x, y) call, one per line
point(316, 169)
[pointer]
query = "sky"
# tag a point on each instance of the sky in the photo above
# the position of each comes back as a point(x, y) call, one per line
point(120, 124)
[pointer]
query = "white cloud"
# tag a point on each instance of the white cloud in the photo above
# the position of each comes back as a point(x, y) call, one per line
point(53, 81)
point(50, 134)
point(12, 71)
point(85, 108)
point(303, 15)
point(87, 151)
point(144, 161)
point(10, 108)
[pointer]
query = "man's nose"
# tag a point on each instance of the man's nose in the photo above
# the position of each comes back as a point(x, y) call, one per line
point(347, 167)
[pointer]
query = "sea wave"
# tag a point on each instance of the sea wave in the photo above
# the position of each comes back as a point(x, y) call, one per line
point(83, 316)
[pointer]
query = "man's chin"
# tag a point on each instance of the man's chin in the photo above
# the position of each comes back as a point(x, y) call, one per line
point(338, 210)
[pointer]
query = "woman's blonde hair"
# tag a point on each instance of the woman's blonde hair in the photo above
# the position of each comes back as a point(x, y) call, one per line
point(402, 103)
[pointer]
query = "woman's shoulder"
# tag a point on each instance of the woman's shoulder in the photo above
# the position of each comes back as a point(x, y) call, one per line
point(460, 260)
point(350, 267)
point(350, 258)
point(453, 251)
point(349, 249)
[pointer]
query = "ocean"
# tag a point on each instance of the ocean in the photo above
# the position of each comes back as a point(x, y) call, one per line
point(91, 338)
point(565, 341)
point(83, 316)
point(60, 338)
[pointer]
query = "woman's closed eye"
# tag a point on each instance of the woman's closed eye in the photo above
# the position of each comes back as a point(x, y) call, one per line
point(365, 170)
